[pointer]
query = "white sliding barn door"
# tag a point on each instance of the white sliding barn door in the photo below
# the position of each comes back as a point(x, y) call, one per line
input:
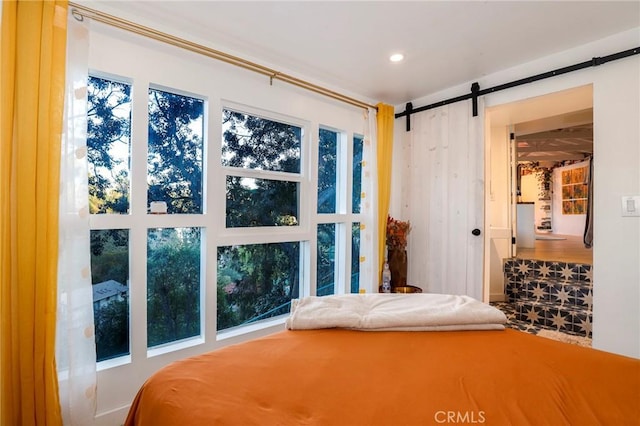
point(444, 200)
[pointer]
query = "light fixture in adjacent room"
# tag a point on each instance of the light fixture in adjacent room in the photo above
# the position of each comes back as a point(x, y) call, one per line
point(396, 57)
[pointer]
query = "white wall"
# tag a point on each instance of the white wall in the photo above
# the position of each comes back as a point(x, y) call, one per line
point(616, 249)
point(616, 102)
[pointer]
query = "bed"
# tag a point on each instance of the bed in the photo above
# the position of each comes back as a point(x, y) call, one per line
point(310, 374)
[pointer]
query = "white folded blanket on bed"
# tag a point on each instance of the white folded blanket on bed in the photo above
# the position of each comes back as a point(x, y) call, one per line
point(401, 312)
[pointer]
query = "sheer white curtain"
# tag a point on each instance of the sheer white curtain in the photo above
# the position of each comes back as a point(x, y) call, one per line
point(369, 207)
point(445, 199)
point(75, 342)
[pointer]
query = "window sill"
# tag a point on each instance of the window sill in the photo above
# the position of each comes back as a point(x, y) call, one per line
point(174, 346)
point(246, 329)
point(113, 362)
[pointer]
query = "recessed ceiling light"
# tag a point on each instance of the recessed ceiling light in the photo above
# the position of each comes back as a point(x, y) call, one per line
point(396, 57)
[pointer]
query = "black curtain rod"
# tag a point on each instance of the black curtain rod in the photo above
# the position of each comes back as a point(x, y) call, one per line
point(475, 87)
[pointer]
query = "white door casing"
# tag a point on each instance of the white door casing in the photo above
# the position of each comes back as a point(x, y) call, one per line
point(513, 184)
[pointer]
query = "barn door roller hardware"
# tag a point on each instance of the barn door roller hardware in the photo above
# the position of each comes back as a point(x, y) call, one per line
point(476, 92)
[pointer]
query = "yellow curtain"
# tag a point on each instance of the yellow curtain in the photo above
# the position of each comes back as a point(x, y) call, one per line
point(385, 118)
point(31, 108)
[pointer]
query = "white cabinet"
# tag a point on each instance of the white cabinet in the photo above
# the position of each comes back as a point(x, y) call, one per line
point(526, 228)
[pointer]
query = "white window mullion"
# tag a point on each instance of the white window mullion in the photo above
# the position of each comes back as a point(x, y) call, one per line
point(343, 190)
point(138, 232)
point(311, 209)
point(138, 293)
point(342, 258)
point(311, 205)
point(214, 213)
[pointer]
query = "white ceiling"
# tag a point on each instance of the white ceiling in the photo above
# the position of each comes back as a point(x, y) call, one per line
point(551, 128)
point(345, 45)
point(559, 144)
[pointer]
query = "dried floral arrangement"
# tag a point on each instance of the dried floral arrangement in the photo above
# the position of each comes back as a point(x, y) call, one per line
point(397, 232)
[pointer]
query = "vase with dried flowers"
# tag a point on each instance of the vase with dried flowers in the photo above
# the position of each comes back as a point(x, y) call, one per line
point(397, 232)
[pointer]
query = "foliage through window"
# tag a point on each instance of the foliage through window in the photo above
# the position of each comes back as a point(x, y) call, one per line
point(252, 149)
point(173, 284)
point(261, 202)
point(355, 257)
point(327, 171)
point(253, 142)
point(356, 194)
point(256, 281)
point(108, 145)
point(326, 262)
point(110, 279)
point(175, 151)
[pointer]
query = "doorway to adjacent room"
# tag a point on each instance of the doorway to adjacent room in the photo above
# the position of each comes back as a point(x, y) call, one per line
point(553, 156)
point(537, 268)
point(561, 114)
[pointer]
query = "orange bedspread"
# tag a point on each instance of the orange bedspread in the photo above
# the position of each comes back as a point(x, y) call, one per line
point(342, 377)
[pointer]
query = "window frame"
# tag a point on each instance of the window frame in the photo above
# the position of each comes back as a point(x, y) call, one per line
point(343, 218)
point(230, 236)
point(138, 221)
point(265, 234)
point(205, 136)
point(123, 80)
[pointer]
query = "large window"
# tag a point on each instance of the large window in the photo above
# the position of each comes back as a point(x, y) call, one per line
point(174, 148)
point(260, 218)
point(338, 232)
point(262, 160)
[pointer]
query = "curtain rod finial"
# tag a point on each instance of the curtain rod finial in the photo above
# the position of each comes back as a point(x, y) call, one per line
point(76, 14)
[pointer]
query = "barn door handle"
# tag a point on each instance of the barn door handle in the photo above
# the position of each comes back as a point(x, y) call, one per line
point(476, 232)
